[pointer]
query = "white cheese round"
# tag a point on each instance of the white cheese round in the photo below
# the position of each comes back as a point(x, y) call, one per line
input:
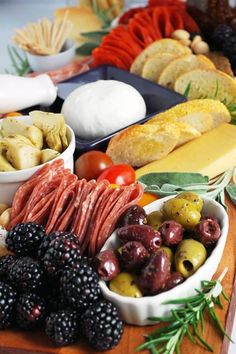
point(99, 108)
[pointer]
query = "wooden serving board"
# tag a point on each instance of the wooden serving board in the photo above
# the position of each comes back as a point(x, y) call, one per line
point(19, 342)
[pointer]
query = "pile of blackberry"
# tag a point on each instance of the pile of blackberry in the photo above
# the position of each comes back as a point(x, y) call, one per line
point(48, 284)
point(224, 39)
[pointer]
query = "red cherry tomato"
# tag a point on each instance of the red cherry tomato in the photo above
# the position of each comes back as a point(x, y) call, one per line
point(91, 164)
point(119, 174)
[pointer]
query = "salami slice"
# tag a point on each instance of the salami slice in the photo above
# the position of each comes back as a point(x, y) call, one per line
point(88, 186)
point(67, 184)
point(131, 194)
point(44, 208)
point(103, 211)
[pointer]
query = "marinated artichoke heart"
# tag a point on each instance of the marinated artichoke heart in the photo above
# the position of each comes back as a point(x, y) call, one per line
point(13, 126)
point(48, 154)
point(20, 152)
point(5, 166)
point(53, 127)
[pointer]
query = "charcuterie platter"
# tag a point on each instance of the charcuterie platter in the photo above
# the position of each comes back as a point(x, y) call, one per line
point(117, 182)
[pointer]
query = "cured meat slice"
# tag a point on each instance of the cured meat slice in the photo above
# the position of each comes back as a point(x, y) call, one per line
point(64, 220)
point(95, 216)
point(67, 184)
point(87, 210)
point(83, 195)
point(24, 191)
point(131, 194)
point(103, 211)
point(44, 207)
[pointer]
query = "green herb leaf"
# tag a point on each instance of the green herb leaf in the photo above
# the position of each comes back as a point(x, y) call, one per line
point(86, 48)
point(19, 61)
point(187, 90)
point(95, 36)
point(174, 178)
point(231, 190)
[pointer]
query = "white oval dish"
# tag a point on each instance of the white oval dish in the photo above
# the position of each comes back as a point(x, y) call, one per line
point(11, 181)
point(44, 63)
point(137, 310)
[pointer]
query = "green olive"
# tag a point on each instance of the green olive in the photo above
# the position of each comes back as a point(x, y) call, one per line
point(192, 197)
point(155, 219)
point(168, 252)
point(182, 211)
point(189, 256)
point(125, 284)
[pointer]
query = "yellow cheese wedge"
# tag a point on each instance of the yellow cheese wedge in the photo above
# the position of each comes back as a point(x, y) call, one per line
point(211, 154)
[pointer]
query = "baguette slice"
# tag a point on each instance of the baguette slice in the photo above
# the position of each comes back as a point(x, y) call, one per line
point(180, 66)
point(165, 45)
point(187, 133)
point(141, 144)
point(155, 64)
point(207, 83)
point(186, 113)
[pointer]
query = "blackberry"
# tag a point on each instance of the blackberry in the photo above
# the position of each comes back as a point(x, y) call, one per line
point(8, 299)
point(52, 294)
point(62, 327)
point(102, 326)
point(30, 311)
point(221, 35)
point(62, 251)
point(5, 264)
point(80, 286)
point(24, 239)
point(26, 274)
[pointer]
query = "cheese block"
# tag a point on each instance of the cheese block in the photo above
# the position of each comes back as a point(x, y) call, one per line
point(211, 154)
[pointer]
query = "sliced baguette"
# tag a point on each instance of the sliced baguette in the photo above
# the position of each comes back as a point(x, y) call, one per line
point(181, 65)
point(207, 83)
point(188, 112)
point(187, 133)
point(155, 64)
point(165, 45)
point(141, 144)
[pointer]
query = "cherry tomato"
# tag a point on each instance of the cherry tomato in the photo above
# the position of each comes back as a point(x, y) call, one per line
point(119, 174)
point(91, 164)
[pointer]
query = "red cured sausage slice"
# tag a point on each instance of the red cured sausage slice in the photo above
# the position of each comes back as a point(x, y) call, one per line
point(67, 184)
point(81, 198)
point(131, 194)
point(87, 209)
point(43, 212)
point(102, 213)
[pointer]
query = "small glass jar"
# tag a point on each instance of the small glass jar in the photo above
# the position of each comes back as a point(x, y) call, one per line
point(210, 13)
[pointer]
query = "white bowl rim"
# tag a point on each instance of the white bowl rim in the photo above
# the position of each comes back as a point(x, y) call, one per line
point(35, 168)
point(181, 287)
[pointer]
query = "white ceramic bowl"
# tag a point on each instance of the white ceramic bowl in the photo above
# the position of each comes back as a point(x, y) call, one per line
point(52, 62)
point(10, 181)
point(137, 310)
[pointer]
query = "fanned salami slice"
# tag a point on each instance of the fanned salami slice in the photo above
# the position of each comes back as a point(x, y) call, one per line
point(130, 196)
point(87, 209)
point(83, 195)
point(67, 184)
point(24, 191)
point(42, 214)
point(95, 216)
point(43, 188)
point(105, 209)
point(66, 218)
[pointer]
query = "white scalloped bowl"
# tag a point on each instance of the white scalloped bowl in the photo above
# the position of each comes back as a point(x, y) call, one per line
point(137, 310)
point(11, 181)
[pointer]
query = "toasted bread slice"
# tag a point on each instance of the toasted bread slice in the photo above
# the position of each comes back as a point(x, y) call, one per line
point(183, 112)
point(154, 65)
point(182, 65)
point(141, 144)
point(165, 45)
point(187, 133)
point(207, 83)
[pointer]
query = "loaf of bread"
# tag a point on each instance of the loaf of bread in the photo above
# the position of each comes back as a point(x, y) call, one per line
point(139, 145)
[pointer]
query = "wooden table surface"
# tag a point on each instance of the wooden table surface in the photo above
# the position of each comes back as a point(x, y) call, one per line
point(18, 342)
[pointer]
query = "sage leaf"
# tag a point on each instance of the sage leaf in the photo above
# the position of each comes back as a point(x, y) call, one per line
point(231, 190)
point(95, 36)
point(86, 48)
point(175, 178)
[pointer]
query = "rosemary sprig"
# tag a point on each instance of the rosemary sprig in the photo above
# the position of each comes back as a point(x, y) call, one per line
point(187, 320)
point(19, 61)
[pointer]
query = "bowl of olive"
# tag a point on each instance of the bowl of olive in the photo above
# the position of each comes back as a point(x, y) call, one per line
point(160, 253)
